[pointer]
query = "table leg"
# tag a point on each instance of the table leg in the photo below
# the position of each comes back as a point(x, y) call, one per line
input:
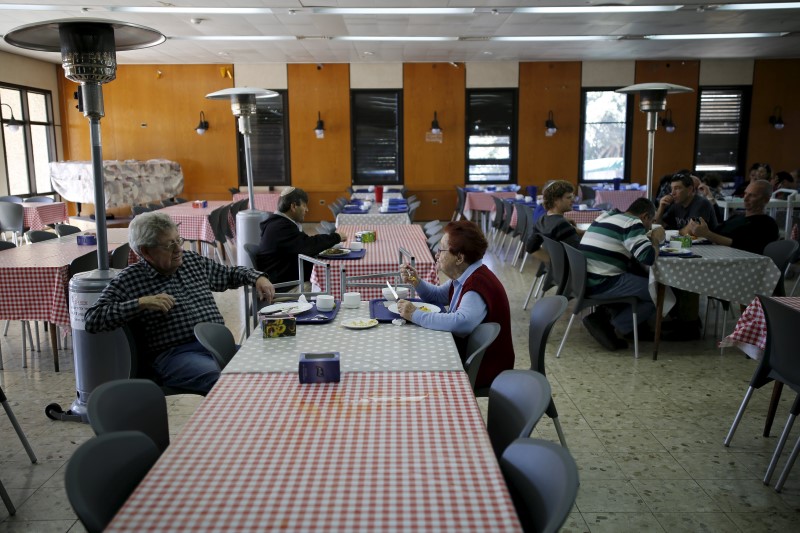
point(660, 290)
point(54, 344)
point(773, 406)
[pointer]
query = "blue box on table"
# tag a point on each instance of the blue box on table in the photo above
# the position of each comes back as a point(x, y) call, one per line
point(319, 367)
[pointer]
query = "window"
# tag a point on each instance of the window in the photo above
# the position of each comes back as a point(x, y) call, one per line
point(720, 142)
point(30, 149)
point(491, 136)
point(269, 143)
point(377, 150)
point(606, 136)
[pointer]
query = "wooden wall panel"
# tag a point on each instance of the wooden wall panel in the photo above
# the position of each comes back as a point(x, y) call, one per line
point(673, 151)
point(167, 100)
point(544, 87)
point(775, 83)
point(428, 166)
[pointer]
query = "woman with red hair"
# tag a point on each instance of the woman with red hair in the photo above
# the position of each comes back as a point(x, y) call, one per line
point(473, 293)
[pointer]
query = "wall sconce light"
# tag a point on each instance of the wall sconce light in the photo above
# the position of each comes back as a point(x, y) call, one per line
point(550, 125)
point(202, 127)
point(776, 118)
point(667, 122)
point(319, 131)
point(435, 129)
point(13, 124)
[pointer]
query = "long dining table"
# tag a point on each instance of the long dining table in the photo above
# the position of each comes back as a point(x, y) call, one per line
point(373, 216)
point(37, 215)
point(265, 201)
point(193, 221)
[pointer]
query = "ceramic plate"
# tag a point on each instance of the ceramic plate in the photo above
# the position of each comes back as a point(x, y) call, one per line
point(420, 305)
point(334, 252)
point(360, 323)
point(292, 308)
point(676, 251)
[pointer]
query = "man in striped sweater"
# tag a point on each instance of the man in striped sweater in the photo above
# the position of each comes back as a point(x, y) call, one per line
point(617, 246)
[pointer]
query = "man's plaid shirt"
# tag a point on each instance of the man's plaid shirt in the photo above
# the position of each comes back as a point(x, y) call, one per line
point(191, 287)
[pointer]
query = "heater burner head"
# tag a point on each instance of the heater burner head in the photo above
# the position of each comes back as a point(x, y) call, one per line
point(243, 99)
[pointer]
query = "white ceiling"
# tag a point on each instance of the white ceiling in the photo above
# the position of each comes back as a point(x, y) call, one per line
point(313, 36)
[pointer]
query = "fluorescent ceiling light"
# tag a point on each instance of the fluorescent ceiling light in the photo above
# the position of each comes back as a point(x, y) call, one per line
point(193, 10)
point(392, 10)
point(597, 10)
point(546, 38)
point(36, 7)
point(757, 7)
point(388, 38)
point(691, 36)
point(233, 38)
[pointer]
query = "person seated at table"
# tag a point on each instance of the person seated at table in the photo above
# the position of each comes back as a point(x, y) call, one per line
point(750, 232)
point(751, 176)
point(675, 210)
point(474, 295)
point(283, 238)
point(617, 246)
point(783, 180)
point(164, 296)
point(557, 199)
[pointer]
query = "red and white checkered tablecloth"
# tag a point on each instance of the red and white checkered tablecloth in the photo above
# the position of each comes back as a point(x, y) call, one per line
point(34, 280)
point(750, 333)
point(37, 215)
point(193, 221)
point(618, 199)
point(379, 451)
point(265, 201)
point(482, 201)
point(381, 256)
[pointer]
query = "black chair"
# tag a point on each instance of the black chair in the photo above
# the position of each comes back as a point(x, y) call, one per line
point(517, 400)
point(505, 228)
point(25, 444)
point(543, 480)
point(130, 405)
point(104, 471)
point(139, 209)
point(66, 229)
point(155, 206)
point(497, 221)
point(577, 277)
point(518, 232)
point(477, 343)
point(558, 270)
point(461, 200)
point(120, 255)
point(528, 233)
point(37, 235)
point(217, 339)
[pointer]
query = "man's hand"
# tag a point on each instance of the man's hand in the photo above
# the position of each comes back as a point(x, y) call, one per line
point(699, 228)
point(160, 302)
point(265, 290)
point(342, 238)
point(409, 275)
point(666, 201)
point(658, 235)
point(406, 309)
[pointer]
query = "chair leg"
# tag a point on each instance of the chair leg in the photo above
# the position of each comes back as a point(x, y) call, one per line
point(738, 417)
point(18, 429)
point(794, 288)
point(635, 337)
point(779, 449)
point(560, 432)
point(24, 346)
point(524, 259)
point(566, 333)
point(530, 293)
point(788, 467)
point(38, 344)
point(5, 329)
point(7, 500)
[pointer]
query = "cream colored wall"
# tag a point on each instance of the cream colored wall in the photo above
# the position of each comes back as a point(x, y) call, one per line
point(726, 72)
point(20, 70)
point(492, 74)
point(608, 73)
point(267, 76)
point(376, 76)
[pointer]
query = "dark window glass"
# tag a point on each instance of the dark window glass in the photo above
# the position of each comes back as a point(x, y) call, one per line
point(269, 143)
point(377, 150)
point(606, 135)
point(720, 127)
point(491, 136)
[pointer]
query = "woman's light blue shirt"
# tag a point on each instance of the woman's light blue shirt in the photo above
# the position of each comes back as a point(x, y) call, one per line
point(460, 321)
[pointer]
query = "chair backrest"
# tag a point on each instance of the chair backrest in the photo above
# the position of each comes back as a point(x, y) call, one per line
point(559, 268)
point(543, 480)
point(139, 209)
point(781, 340)
point(499, 212)
point(6, 245)
point(120, 255)
point(545, 313)
point(166, 202)
point(522, 220)
point(12, 216)
point(130, 405)
point(40, 199)
point(335, 209)
point(477, 342)
point(517, 400)
point(217, 339)
point(461, 196)
point(103, 472)
point(155, 206)
point(12, 199)
point(433, 241)
point(38, 235)
point(224, 227)
point(412, 209)
point(66, 229)
point(508, 214)
point(577, 273)
point(84, 263)
point(215, 221)
point(781, 252)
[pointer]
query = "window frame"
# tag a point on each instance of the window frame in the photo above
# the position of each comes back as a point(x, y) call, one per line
point(26, 124)
point(513, 141)
point(259, 179)
point(744, 127)
point(627, 146)
point(355, 178)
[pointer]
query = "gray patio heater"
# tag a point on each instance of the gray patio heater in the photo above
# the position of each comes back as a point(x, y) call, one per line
point(652, 100)
point(243, 105)
point(88, 54)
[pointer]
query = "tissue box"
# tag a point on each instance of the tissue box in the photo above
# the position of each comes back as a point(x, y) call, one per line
point(365, 236)
point(87, 240)
point(273, 327)
point(200, 203)
point(319, 367)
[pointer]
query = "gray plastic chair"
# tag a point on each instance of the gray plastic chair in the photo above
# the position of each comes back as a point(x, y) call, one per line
point(12, 216)
point(66, 229)
point(517, 400)
point(25, 444)
point(41, 199)
point(217, 339)
point(37, 235)
point(130, 405)
point(104, 471)
point(477, 343)
point(139, 209)
point(120, 255)
point(543, 480)
point(13, 199)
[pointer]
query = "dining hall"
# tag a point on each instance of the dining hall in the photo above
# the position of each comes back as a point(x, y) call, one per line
point(474, 266)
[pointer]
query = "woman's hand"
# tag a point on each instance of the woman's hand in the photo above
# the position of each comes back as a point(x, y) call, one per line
point(406, 309)
point(409, 274)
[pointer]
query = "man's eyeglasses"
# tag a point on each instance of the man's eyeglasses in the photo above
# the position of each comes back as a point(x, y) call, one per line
point(172, 246)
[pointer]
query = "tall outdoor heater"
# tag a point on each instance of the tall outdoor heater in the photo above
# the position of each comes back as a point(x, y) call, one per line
point(652, 100)
point(88, 54)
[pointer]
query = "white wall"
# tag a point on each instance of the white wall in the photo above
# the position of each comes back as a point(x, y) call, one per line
point(267, 76)
point(608, 73)
point(726, 71)
point(492, 74)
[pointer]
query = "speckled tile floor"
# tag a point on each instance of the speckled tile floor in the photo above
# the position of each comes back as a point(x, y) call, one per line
point(647, 435)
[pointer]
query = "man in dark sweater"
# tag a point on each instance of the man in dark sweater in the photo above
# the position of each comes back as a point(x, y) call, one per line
point(557, 198)
point(676, 210)
point(282, 239)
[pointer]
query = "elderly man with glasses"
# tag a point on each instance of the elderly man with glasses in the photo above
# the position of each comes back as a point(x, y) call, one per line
point(164, 296)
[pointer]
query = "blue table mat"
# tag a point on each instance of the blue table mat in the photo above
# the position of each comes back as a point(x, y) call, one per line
point(308, 316)
point(381, 313)
point(354, 254)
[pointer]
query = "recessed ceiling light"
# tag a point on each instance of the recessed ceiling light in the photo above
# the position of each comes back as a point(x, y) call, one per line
point(390, 38)
point(545, 38)
point(193, 10)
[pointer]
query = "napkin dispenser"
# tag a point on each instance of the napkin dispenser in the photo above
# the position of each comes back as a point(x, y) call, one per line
point(319, 367)
point(274, 326)
point(90, 239)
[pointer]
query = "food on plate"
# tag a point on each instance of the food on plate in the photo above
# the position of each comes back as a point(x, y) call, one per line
point(362, 323)
point(424, 309)
point(335, 251)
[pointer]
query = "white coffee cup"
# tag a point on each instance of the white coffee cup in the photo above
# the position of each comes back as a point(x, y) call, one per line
point(356, 246)
point(325, 302)
point(351, 300)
